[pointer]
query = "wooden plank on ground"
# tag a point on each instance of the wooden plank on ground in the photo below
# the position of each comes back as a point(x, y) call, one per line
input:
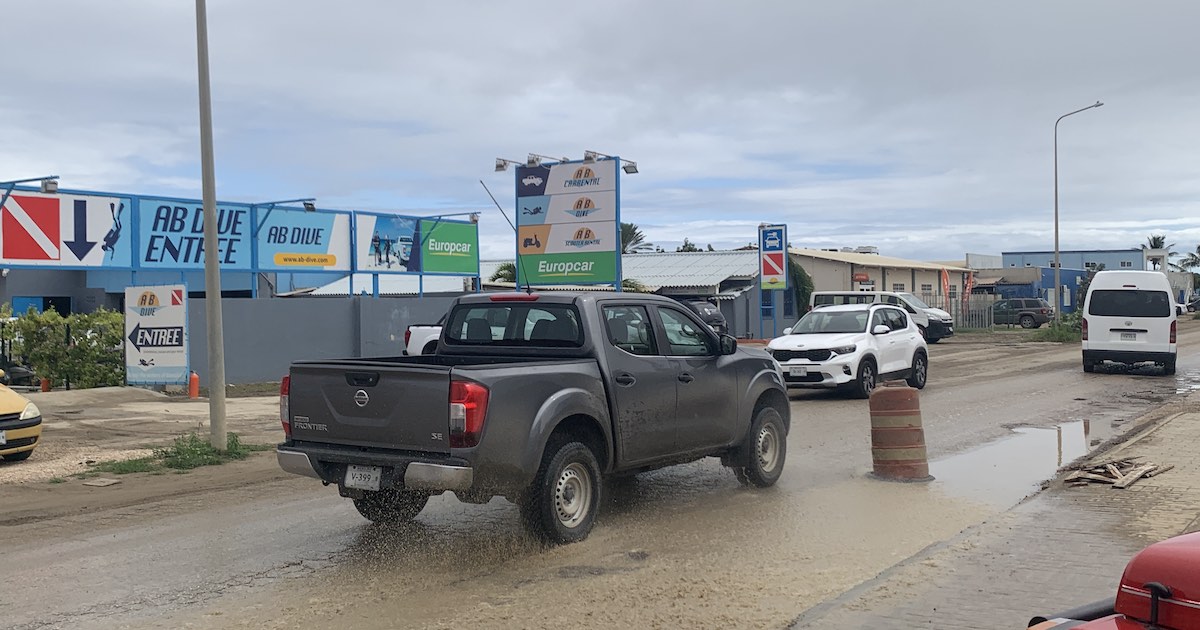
point(1160, 470)
point(1133, 476)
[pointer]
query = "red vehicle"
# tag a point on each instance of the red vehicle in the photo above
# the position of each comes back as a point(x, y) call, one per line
point(1160, 590)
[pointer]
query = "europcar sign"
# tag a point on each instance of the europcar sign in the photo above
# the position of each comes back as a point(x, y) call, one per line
point(567, 223)
point(449, 247)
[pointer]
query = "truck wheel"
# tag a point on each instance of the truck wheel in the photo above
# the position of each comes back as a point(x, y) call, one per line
point(1026, 321)
point(391, 506)
point(767, 448)
point(561, 503)
point(920, 371)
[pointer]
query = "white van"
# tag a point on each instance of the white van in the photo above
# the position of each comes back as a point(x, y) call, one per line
point(1129, 317)
point(934, 323)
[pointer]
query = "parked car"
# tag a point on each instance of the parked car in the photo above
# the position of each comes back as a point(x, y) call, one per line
point(1129, 317)
point(1027, 312)
point(1193, 305)
point(1157, 590)
point(20, 425)
point(567, 390)
point(422, 338)
point(934, 323)
point(853, 347)
point(708, 312)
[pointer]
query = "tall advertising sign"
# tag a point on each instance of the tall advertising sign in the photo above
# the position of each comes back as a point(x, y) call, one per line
point(772, 263)
point(297, 241)
point(156, 349)
point(567, 223)
point(65, 230)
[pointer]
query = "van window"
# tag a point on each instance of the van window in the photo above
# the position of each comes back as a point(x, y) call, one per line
point(1129, 303)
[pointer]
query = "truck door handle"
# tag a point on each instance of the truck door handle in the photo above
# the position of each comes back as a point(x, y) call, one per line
point(362, 379)
point(625, 379)
point(686, 378)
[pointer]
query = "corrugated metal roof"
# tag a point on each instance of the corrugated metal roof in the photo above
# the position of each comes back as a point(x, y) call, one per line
point(874, 260)
point(690, 269)
point(391, 284)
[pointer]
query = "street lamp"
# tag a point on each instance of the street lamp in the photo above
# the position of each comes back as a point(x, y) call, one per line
point(1057, 263)
point(309, 204)
point(630, 167)
point(49, 186)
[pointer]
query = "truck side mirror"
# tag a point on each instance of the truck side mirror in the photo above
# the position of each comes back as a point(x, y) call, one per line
point(728, 344)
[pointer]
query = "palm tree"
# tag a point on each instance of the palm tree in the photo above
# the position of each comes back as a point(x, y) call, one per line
point(1158, 241)
point(631, 236)
point(1191, 260)
point(633, 286)
point(506, 272)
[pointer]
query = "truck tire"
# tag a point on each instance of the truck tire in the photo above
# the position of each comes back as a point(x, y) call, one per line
point(391, 506)
point(1027, 321)
point(561, 504)
point(767, 449)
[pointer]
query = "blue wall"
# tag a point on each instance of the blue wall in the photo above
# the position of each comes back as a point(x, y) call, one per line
point(1110, 258)
point(116, 281)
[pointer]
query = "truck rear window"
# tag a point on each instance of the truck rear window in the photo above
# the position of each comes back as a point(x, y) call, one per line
point(1129, 303)
point(515, 324)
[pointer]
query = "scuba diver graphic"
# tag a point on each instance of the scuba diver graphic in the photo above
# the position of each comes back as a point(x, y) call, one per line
point(114, 233)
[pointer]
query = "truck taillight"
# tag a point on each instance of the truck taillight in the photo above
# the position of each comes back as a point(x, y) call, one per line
point(407, 335)
point(468, 408)
point(1172, 332)
point(1083, 329)
point(285, 412)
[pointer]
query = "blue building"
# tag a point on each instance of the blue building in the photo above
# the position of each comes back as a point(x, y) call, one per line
point(1031, 282)
point(1089, 259)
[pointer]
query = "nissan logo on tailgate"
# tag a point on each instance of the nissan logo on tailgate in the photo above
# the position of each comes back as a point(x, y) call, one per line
point(361, 398)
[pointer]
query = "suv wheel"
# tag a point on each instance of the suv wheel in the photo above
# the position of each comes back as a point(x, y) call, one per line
point(1027, 321)
point(766, 447)
point(920, 371)
point(562, 502)
point(391, 506)
point(867, 379)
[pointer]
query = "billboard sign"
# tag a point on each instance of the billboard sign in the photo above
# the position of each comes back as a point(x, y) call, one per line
point(772, 263)
point(385, 243)
point(448, 247)
point(568, 223)
point(65, 230)
point(171, 235)
point(297, 240)
point(156, 349)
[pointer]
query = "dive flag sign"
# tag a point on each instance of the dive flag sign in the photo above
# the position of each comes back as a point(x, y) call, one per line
point(772, 265)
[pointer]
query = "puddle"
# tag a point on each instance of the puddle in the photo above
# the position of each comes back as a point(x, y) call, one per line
point(1005, 471)
point(1188, 382)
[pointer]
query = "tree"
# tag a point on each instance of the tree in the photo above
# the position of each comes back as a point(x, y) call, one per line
point(1191, 260)
point(631, 237)
point(802, 284)
point(506, 272)
point(687, 246)
point(1158, 241)
point(710, 248)
point(633, 286)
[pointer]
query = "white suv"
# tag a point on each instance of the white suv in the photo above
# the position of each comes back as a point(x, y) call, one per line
point(852, 347)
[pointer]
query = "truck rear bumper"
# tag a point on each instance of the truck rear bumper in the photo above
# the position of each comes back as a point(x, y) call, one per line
point(328, 464)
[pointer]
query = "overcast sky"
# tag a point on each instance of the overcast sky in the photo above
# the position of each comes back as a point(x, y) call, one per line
point(923, 128)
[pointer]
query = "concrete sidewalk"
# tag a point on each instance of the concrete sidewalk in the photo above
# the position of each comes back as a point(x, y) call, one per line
point(1060, 549)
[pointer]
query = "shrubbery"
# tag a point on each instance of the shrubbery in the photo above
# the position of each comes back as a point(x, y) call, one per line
point(92, 355)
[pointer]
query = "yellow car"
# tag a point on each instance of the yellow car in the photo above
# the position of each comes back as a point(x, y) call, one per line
point(20, 425)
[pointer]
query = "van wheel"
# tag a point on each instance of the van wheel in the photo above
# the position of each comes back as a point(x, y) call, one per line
point(561, 504)
point(767, 449)
point(1089, 366)
point(1027, 322)
point(391, 506)
point(1169, 367)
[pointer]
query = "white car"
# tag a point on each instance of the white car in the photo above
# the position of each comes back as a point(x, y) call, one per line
point(532, 180)
point(852, 347)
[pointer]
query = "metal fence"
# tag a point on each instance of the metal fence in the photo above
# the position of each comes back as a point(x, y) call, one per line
point(974, 312)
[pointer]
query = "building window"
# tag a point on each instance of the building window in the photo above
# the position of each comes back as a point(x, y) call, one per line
point(953, 292)
point(1126, 263)
point(898, 287)
point(1089, 265)
point(789, 303)
point(926, 289)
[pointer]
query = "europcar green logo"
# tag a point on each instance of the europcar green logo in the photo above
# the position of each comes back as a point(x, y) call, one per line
point(449, 247)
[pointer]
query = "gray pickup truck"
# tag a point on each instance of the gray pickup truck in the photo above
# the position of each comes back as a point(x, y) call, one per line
point(536, 398)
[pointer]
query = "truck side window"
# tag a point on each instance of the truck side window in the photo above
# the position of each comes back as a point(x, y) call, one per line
point(684, 338)
point(629, 329)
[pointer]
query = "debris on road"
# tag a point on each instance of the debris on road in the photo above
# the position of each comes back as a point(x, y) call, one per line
point(1120, 473)
point(101, 482)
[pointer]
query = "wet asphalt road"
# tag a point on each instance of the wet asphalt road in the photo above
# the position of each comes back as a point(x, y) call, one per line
point(680, 547)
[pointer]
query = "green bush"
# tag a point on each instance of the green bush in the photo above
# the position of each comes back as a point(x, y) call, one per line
point(1066, 331)
point(85, 348)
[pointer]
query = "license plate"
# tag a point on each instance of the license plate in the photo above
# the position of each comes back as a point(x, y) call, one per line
point(3, 439)
point(798, 371)
point(363, 477)
point(1128, 336)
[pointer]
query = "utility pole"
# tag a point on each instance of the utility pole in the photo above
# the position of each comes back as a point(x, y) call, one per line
point(212, 272)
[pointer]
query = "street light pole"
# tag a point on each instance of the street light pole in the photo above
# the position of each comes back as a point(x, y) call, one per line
point(212, 272)
point(1057, 264)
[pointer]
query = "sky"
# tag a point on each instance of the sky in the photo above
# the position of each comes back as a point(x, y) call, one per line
point(923, 128)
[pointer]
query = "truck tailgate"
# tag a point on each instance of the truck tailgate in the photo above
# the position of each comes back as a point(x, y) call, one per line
point(404, 407)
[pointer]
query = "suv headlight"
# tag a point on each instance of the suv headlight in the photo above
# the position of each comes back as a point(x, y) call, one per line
point(31, 411)
point(844, 349)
